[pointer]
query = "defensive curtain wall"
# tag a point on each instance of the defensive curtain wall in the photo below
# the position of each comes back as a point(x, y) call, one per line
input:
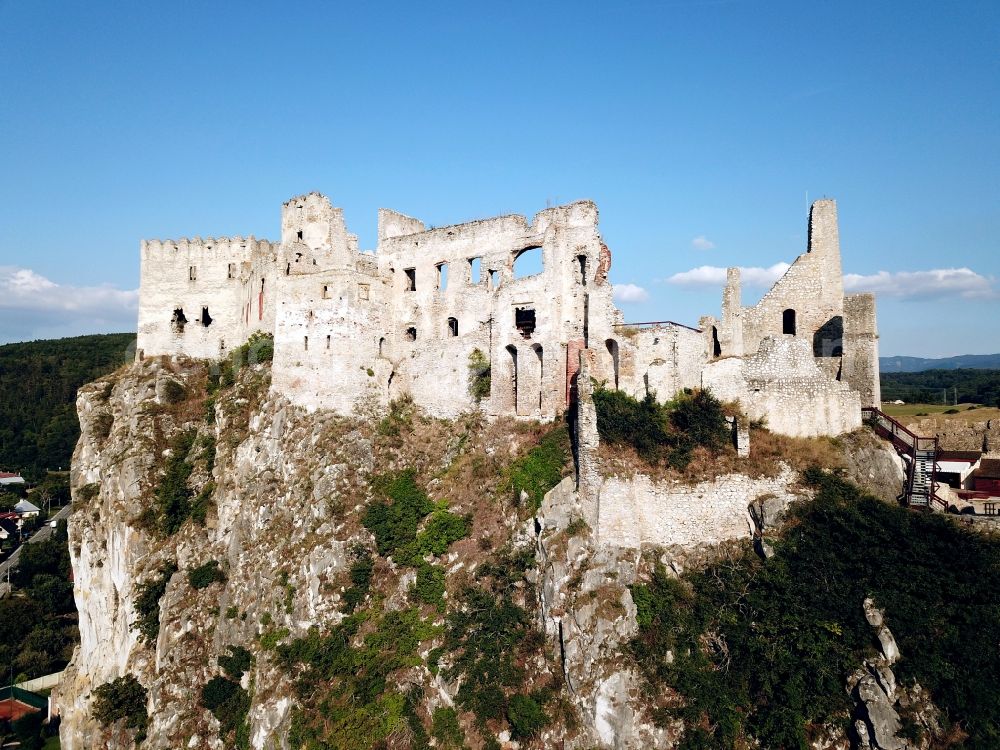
point(352, 326)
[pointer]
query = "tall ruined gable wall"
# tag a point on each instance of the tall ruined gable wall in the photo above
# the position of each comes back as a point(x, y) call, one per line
point(860, 364)
point(813, 286)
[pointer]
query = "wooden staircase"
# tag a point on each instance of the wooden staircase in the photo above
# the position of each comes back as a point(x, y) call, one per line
point(921, 459)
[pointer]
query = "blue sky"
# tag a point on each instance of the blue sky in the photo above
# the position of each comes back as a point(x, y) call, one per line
point(701, 129)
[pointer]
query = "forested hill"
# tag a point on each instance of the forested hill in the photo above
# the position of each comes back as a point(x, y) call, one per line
point(919, 364)
point(38, 384)
point(943, 386)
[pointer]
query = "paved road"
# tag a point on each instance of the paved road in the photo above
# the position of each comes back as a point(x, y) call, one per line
point(39, 536)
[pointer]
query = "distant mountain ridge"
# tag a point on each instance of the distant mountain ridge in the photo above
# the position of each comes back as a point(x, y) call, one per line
point(919, 364)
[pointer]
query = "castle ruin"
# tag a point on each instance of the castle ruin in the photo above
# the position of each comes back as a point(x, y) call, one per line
point(352, 326)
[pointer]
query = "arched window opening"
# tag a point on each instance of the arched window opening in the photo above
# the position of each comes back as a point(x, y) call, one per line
point(381, 347)
point(494, 280)
point(788, 322)
point(475, 270)
point(411, 334)
point(528, 262)
point(716, 346)
point(581, 261)
point(452, 326)
point(411, 279)
point(178, 321)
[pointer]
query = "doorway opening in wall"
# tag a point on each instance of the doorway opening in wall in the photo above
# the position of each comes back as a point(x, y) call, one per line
point(537, 348)
point(474, 270)
point(581, 261)
point(524, 320)
point(828, 341)
point(494, 282)
point(442, 276)
point(411, 334)
point(512, 350)
point(411, 279)
point(716, 346)
point(452, 326)
point(788, 322)
point(612, 346)
point(177, 321)
point(206, 319)
point(528, 262)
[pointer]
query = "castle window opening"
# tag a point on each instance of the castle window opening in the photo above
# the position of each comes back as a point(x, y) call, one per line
point(442, 276)
point(788, 322)
point(475, 270)
point(206, 319)
point(326, 291)
point(716, 346)
point(494, 284)
point(541, 373)
point(288, 269)
point(828, 341)
point(299, 234)
point(328, 341)
point(305, 343)
point(524, 321)
point(178, 320)
point(582, 263)
point(411, 334)
point(381, 347)
point(362, 291)
point(512, 350)
point(232, 271)
point(411, 279)
point(452, 326)
point(192, 273)
point(528, 262)
point(612, 346)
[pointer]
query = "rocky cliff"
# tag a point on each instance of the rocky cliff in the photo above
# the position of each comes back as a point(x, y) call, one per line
point(273, 578)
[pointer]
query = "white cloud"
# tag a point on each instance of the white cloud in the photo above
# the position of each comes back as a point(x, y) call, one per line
point(939, 282)
point(701, 242)
point(705, 276)
point(629, 293)
point(32, 306)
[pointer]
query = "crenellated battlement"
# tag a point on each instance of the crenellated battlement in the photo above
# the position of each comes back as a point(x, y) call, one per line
point(237, 246)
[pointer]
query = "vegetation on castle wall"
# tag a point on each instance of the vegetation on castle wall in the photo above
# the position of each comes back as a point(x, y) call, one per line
point(480, 376)
point(541, 468)
point(147, 602)
point(658, 432)
point(762, 649)
point(122, 699)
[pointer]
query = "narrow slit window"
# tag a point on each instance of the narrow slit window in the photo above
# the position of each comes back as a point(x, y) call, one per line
point(232, 271)
point(299, 234)
point(206, 319)
point(524, 321)
point(328, 341)
point(363, 291)
point(475, 270)
point(288, 269)
point(452, 326)
point(581, 261)
point(305, 343)
point(192, 273)
point(411, 279)
point(442, 276)
point(788, 322)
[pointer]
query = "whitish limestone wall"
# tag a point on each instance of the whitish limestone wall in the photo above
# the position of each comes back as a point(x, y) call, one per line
point(637, 511)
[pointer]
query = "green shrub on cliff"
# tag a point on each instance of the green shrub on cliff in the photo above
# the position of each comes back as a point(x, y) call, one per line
point(122, 699)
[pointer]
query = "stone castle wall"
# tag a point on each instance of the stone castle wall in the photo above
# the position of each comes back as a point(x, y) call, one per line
point(353, 327)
